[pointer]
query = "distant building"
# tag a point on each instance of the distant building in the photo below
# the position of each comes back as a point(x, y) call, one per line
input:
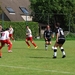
point(15, 10)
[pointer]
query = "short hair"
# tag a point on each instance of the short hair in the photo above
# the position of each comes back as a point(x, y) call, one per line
point(57, 24)
point(7, 29)
point(27, 26)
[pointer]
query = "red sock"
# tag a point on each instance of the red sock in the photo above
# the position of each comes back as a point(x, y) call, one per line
point(27, 43)
point(9, 46)
point(0, 53)
point(34, 44)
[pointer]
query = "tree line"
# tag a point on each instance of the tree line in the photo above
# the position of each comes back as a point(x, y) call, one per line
point(52, 11)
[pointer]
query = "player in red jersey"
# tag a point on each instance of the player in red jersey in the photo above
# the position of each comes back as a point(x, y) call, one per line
point(29, 37)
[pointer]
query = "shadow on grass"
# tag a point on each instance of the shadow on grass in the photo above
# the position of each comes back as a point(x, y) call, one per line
point(41, 57)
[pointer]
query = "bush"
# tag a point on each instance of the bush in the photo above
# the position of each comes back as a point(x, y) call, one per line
point(20, 29)
point(70, 36)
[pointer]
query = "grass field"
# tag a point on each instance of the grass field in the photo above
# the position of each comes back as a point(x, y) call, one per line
point(24, 61)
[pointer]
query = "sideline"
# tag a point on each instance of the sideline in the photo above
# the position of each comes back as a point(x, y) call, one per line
point(63, 72)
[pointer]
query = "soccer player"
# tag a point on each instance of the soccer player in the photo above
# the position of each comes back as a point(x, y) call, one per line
point(60, 40)
point(29, 37)
point(47, 36)
point(5, 39)
point(11, 30)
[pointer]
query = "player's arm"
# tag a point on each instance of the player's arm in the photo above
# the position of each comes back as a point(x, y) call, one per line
point(52, 34)
point(45, 35)
point(7, 35)
point(57, 37)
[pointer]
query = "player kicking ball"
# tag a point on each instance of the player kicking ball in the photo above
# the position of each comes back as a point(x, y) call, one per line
point(60, 40)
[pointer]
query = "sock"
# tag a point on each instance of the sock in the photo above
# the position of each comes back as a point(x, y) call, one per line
point(46, 46)
point(55, 51)
point(27, 43)
point(0, 53)
point(34, 44)
point(62, 50)
point(9, 46)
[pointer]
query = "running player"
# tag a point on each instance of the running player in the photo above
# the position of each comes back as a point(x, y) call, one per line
point(29, 37)
point(47, 36)
point(60, 40)
point(11, 30)
point(5, 39)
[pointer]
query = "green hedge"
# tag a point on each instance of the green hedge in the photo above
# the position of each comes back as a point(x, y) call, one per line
point(20, 28)
point(70, 36)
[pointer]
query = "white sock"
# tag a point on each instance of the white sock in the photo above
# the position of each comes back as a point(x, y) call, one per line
point(55, 51)
point(63, 52)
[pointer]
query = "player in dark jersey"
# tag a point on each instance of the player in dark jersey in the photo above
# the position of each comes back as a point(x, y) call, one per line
point(47, 36)
point(60, 40)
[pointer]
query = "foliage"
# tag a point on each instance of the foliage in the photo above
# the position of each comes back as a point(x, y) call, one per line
point(70, 36)
point(0, 8)
point(20, 29)
point(62, 11)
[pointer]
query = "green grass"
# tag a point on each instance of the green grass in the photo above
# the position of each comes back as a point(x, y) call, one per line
point(24, 61)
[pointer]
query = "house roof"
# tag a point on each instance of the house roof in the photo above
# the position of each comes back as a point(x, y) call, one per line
point(14, 5)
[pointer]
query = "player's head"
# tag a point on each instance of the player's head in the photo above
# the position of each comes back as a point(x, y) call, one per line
point(48, 27)
point(27, 26)
point(10, 26)
point(7, 29)
point(57, 25)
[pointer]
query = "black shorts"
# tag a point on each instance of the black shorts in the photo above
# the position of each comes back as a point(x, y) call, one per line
point(48, 39)
point(61, 41)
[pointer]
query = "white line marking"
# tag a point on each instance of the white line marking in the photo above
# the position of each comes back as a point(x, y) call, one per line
point(38, 69)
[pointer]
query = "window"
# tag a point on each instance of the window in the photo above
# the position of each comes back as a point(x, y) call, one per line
point(24, 10)
point(10, 10)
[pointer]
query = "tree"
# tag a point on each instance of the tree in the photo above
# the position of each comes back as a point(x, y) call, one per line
point(0, 11)
point(0, 8)
point(51, 11)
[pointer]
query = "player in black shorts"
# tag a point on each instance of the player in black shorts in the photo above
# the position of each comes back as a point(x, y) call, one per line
point(60, 40)
point(47, 36)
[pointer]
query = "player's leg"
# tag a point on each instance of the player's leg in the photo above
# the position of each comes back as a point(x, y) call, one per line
point(12, 37)
point(62, 49)
point(55, 50)
point(0, 53)
point(46, 44)
point(49, 41)
point(27, 42)
point(2, 44)
point(63, 52)
point(31, 40)
point(9, 43)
